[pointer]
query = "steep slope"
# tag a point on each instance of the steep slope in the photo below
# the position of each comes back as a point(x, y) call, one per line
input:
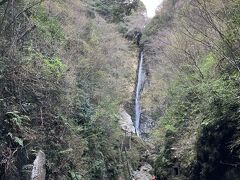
point(64, 73)
point(67, 78)
point(192, 56)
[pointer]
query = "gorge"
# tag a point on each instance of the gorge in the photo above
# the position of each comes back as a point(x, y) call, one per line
point(76, 76)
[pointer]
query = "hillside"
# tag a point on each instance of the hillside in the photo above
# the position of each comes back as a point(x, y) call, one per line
point(76, 76)
point(192, 56)
point(65, 70)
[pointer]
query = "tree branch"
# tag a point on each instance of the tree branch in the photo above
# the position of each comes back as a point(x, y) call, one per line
point(26, 9)
point(5, 12)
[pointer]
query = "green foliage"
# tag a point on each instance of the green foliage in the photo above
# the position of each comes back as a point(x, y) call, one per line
point(75, 175)
point(199, 106)
point(73, 110)
point(158, 22)
point(208, 63)
point(233, 21)
point(16, 119)
point(54, 67)
point(48, 26)
point(205, 99)
point(50, 67)
point(16, 127)
point(162, 163)
point(115, 11)
point(83, 108)
point(19, 141)
point(101, 148)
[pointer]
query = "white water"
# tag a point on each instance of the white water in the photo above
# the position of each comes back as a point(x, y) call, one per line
point(140, 83)
point(151, 6)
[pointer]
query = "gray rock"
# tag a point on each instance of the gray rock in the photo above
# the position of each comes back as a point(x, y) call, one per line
point(143, 173)
point(125, 121)
point(146, 124)
point(39, 170)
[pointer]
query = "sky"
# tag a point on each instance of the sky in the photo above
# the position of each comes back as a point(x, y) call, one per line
point(151, 6)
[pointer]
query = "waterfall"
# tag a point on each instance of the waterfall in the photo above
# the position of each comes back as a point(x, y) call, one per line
point(138, 90)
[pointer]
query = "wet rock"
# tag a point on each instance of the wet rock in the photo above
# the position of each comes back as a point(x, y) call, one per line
point(146, 124)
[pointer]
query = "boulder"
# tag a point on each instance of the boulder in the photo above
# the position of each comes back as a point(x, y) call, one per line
point(143, 173)
point(125, 121)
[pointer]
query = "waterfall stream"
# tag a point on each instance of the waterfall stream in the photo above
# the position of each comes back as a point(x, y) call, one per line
point(138, 90)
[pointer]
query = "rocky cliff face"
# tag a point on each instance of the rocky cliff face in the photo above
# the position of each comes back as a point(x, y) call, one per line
point(146, 125)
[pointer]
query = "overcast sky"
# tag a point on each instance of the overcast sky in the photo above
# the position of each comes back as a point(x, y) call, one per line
point(151, 6)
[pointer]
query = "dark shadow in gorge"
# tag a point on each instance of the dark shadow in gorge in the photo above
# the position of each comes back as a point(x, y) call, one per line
point(216, 160)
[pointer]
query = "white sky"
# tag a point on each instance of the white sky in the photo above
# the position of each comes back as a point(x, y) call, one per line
point(151, 6)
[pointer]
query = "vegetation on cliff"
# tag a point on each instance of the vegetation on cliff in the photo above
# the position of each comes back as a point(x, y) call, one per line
point(194, 88)
point(66, 67)
point(64, 72)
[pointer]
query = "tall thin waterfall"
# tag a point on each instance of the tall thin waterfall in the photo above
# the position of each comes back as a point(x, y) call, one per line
point(139, 87)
